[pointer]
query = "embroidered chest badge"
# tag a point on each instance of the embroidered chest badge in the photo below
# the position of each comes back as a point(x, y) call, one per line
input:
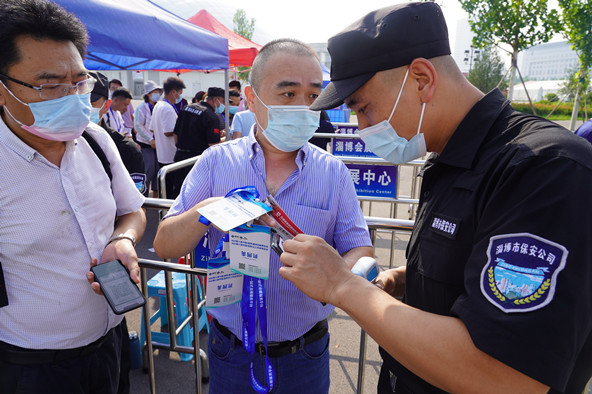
point(521, 271)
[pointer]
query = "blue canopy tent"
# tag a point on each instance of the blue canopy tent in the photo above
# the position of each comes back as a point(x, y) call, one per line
point(139, 35)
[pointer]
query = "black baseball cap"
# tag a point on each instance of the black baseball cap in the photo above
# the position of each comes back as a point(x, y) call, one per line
point(215, 92)
point(387, 38)
point(101, 88)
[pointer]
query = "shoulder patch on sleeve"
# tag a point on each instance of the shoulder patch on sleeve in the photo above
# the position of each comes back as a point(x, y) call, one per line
point(521, 271)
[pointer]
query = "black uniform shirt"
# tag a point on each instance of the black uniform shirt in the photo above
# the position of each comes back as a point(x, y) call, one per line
point(503, 241)
point(197, 126)
point(131, 155)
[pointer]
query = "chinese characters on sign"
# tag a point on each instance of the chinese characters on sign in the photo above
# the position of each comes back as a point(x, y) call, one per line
point(374, 180)
point(350, 147)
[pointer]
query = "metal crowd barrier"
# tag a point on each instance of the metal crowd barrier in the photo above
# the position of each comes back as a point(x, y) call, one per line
point(201, 367)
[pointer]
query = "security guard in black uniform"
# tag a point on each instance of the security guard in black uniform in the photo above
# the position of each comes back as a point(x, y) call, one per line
point(498, 284)
point(197, 128)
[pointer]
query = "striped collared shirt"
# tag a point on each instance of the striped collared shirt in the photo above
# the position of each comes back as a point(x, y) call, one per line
point(320, 198)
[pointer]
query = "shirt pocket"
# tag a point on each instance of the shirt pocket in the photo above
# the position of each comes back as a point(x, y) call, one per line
point(443, 259)
point(315, 221)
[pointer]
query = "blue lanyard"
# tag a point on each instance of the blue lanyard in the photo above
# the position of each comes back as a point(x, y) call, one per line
point(253, 301)
point(176, 110)
point(115, 120)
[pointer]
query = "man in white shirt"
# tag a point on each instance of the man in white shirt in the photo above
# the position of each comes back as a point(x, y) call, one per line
point(120, 103)
point(162, 125)
point(60, 213)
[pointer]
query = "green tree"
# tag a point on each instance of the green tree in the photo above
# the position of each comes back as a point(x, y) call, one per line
point(577, 22)
point(488, 71)
point(242, 24)
point(244, 27)
point(519, 24)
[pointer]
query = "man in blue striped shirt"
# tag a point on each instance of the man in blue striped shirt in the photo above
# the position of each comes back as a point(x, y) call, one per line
point(314, 189)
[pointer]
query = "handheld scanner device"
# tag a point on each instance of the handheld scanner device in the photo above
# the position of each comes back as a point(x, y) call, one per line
point(366, 267)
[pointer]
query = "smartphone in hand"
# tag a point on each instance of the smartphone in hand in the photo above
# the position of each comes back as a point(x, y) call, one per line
point(121, 292)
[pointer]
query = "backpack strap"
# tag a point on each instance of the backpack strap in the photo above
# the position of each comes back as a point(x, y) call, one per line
point(99, 152)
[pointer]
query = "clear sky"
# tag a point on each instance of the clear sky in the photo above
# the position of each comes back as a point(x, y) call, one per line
point(307, 20)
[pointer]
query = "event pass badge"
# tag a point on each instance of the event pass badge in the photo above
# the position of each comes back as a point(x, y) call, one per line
point(224, 286)
point(234, 210)
point(249, 250)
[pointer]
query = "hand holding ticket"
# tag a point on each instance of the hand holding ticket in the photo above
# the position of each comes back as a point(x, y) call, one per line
point(237, 208)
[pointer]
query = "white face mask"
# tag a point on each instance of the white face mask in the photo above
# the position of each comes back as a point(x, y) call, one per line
point(289, 127)
point(62, 119)
point(383, 140)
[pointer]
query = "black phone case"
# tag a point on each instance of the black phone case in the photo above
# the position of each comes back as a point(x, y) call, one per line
point(108, 296)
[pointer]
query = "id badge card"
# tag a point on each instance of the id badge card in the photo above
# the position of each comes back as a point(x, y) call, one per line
point(249, 250)
point(224, 286)
point(234, 210)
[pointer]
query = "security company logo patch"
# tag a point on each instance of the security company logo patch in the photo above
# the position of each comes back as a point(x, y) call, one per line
point(521, 271)
point(139, 181)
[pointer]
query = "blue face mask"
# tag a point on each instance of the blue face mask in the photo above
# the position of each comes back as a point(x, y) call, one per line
point(220, 109)
point(179, 99)
point(383, 140)
point(232, 109)
point(62, 119)
point(289, 127)
point(155, 96)
point(94, 115)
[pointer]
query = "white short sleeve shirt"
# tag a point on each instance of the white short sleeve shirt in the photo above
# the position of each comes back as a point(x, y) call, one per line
point(52, 221)
point(164, 117)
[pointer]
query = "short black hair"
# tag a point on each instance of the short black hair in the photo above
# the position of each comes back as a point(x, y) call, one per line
point(233, 93)
point(234, 84)
point(198, 96)
point(281, 45)
point(115, 81)
point(41, 20)
point(173, 83)
point(123, 93)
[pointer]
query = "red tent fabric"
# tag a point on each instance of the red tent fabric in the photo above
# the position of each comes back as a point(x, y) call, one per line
point(241, 51)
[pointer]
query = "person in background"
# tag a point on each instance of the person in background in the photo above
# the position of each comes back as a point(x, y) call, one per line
point(325, 126)
point(314, 189)
point(128, 114)
point(128, 149)
point(235, 85)
point(162, 125)
point(145, 137)
point(120, 101)
point(233, 104)
point(242, 123)
point(198, 97)
point(114, 84)
point(60, 213)
point(198, 128)
point(585, 130)
point(497, 288)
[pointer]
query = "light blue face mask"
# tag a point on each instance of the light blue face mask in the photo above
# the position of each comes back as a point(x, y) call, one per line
point(232, 109)
point(62, 119)
point(179, 99)
point(94, 115)
point(220, 109)
point(289, 127)
point(155, 96)
point(383, 140)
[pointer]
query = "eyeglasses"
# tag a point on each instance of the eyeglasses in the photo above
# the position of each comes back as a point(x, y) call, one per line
point(52, 91)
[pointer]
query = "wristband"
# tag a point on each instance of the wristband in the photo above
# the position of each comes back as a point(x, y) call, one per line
point(122, 236)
